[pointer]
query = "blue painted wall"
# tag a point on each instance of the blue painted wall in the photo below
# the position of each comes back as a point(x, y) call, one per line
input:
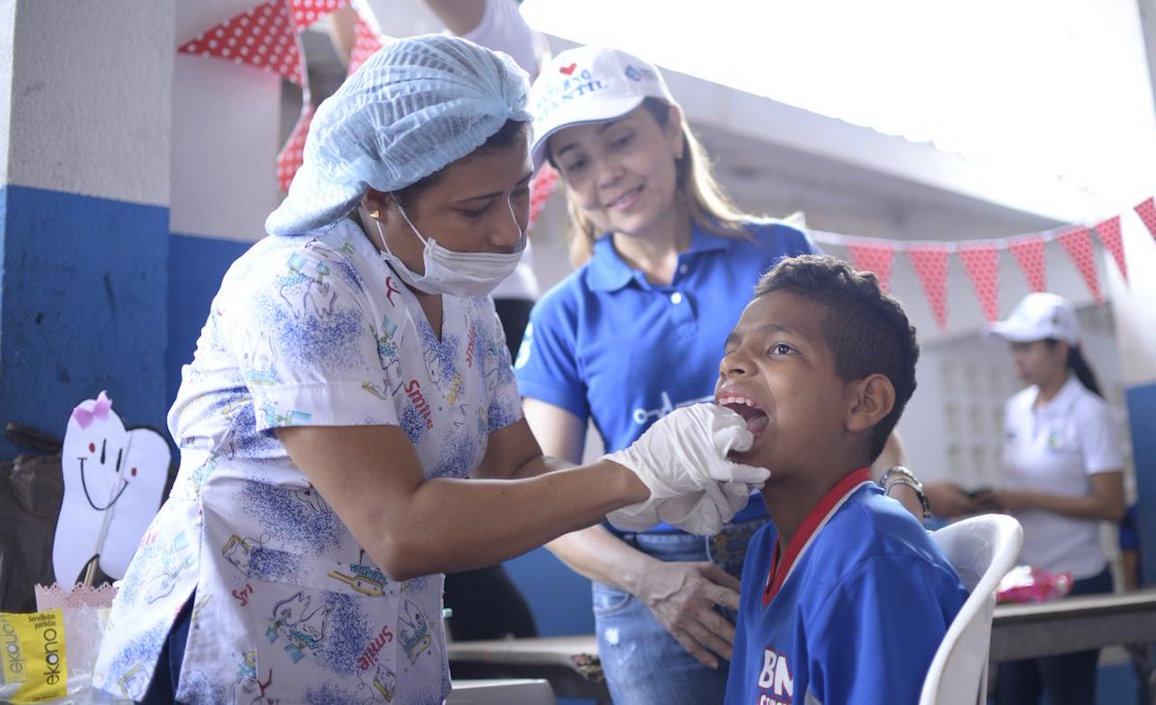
point(1141, 403)
point(85, 282)
point(196, 267)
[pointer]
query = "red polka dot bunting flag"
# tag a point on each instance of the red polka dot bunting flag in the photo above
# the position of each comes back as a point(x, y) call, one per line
point(982, 265)
point(263, 37)
point(1110, 238)
point(292, 154)
point(1147, 212)
point(1029, 254)
point(875, 258)
point(540, 189)
point(306, 12)
point(365, 44)
point(930, 262)
point(1078, 244)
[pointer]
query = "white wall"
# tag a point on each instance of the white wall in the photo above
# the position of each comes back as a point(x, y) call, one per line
point(80, 154)
point(225, 121)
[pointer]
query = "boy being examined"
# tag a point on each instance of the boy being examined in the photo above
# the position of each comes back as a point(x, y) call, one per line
point(845, 598)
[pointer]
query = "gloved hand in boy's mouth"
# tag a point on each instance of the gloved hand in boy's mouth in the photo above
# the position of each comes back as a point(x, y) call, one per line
point(683, 460)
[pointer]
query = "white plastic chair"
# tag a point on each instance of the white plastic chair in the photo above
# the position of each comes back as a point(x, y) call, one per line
point(982, 549)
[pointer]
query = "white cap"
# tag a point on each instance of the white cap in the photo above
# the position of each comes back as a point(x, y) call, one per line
point(589, 84)
point(1038, 317)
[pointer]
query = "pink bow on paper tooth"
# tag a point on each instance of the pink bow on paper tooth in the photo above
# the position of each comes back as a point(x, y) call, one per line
point(99, 410)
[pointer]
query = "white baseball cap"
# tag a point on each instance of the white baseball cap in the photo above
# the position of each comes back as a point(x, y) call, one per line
point(589, 84)
point(1039, 316)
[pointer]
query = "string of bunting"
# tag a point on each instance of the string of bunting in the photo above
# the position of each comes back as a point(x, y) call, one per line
point(267, 37)
point(980, 258)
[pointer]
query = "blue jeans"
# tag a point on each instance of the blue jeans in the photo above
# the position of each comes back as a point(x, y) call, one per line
point(1068, 679)
point(642, 662)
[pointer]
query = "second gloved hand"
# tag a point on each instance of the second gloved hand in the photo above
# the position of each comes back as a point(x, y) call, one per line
point(682, 459)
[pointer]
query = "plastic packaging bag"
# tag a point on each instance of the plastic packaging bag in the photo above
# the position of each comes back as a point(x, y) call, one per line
point(49, 655)
point(1024, 583)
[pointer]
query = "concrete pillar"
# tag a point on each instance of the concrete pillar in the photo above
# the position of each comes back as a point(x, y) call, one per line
point(225, 119)
point(85, 142)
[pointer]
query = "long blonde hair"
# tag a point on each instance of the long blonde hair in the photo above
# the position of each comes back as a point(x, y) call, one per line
point(710, 207)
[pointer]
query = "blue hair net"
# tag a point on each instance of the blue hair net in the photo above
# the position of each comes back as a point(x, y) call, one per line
point(414, 107)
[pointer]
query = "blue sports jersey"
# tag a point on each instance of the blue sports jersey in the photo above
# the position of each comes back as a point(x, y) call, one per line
point(608, 345)
point(855, 610)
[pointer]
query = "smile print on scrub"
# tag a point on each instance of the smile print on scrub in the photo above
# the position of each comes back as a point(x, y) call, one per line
point(461, 274)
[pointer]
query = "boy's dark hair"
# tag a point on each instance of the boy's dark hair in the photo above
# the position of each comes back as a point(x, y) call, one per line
point(865, 328)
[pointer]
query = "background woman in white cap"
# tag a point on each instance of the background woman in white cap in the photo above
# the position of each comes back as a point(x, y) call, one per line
point(351, 376)
point(1063, 475)
point(667, 264)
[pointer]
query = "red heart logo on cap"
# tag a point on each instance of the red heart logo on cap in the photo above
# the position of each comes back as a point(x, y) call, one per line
point(568, 69)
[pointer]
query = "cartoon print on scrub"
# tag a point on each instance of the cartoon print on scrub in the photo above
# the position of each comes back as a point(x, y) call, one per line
point(273, 418)
point(135, 679)
point(258, 359)
point(174, 558)
point(303, 629)
point(388, 352)
point(380, 684)
point(305, 288)
point(311, 498)
point(247, 689)
point(414, 634)
point(363, 577)
point(238, 550)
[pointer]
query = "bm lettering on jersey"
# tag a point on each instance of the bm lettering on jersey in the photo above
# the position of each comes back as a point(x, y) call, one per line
point(776, 677)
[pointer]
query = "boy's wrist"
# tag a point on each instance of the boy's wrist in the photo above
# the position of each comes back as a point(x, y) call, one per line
point(898, 476)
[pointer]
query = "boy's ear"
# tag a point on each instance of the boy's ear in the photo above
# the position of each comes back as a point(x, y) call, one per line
point(872, 398)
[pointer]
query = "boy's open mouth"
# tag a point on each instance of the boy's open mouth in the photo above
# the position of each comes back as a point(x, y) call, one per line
point(751, 412)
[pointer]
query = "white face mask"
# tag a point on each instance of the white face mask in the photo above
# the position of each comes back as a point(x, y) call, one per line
point(458, 274)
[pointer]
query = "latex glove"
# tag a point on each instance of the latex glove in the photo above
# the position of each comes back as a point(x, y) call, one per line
point(682, 459)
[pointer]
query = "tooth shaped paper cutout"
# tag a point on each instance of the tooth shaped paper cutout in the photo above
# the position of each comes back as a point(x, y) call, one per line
point(113, 481)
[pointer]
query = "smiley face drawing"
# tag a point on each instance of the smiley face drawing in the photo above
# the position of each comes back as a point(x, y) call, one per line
point(113, 480)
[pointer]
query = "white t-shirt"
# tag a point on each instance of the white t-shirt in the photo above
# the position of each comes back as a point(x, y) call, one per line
point(502, 28)
point(304, 331)
point(1055, 448)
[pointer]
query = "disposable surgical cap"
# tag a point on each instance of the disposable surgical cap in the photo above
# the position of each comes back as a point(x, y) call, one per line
point(414, 107)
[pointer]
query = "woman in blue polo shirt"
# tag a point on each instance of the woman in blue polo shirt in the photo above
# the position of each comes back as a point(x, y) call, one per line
point(667, 265)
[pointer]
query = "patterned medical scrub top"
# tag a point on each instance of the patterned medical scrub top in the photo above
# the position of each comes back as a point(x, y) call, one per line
point(287, 605)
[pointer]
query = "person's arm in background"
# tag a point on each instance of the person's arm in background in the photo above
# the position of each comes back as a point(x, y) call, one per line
point(1106, 500)
point(494, 24)
point(682, 595)
point(459, 16)
point(343, 32)
point(948, 500)
point(893, 454)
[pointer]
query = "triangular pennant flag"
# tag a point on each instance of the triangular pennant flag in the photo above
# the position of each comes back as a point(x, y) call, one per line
point(540, 189)
point(291, 155)
point(1078, 244)
point(874, 258)
point(306, 12)
point(1109, 232)
point(1147, 213)
point(930, 262)
point(262, 36)
point(1029, 254)
point(982, 265)
point(365, 44)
